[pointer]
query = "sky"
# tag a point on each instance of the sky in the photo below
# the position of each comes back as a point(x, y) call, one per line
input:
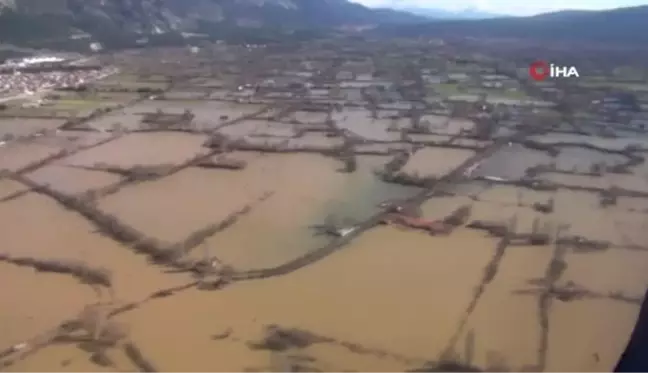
point(509, 7)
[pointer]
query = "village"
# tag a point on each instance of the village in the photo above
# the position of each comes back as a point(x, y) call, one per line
point(340, 205)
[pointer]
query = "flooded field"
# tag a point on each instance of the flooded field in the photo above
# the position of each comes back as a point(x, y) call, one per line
point(72, 180)
point(10, 187)
point(16, 155)
point(440, 124)
point(78, 138)
point(205, 111)
point(208, 114)
point(582, 159)
point(436, 161)
point(29, 295)
point(317, 139)
point(509, 337)
point(271, 128)
point(512, 162)
point(576, 180)
point(202, 197)
point(35, 227)
point(291, 262)
point(607, 143)
point(431, 138)
point(142, 149)
point(184, 95)
point(602, 334)
point(381, 148)
point(399, 330)
point(244, 128)
point(510, 195)
point(362, 193)
point(24, 127)
point(308, 117)
point(360, 123)
point(281, 233)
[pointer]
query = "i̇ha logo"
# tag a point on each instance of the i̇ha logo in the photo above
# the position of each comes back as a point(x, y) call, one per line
point(541, 70)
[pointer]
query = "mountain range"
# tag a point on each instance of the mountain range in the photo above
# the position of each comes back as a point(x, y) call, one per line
point(120, 22)
point(26, 20)
point(616, 26)
point(434, 13)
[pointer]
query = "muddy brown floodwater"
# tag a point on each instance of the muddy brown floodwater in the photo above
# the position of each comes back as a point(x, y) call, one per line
point(142, 149)
point(24, 127)
point(390, 299)
point(17, 155)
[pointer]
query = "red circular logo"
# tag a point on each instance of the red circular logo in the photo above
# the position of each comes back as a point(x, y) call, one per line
point(539, 70)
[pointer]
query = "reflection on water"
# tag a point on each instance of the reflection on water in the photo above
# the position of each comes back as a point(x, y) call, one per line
point(511, 162)
point(363, 193)
point(360, 123)
point(436, 162)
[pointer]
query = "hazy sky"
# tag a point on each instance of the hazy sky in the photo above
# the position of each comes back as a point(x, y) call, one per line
point(509, 6)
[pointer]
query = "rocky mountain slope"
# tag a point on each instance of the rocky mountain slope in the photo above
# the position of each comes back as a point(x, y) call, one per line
point(22, 20)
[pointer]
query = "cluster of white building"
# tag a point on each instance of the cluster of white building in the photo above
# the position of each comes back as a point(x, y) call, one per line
point(27, 83)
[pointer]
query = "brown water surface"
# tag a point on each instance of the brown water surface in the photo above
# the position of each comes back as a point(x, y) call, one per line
point(603, 328)
point(389, 300)
point(29, 295)
point(24, 127)
point(10, 187)
point(72, 180)
point(324, 299)
point(17, 155)
point(143, 149)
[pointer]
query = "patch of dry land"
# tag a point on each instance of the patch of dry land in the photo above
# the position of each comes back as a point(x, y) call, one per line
point(246, 284)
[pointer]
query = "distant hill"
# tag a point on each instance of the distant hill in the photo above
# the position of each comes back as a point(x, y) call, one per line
point(621, 26)
point(25, 21)
point(467, 14)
